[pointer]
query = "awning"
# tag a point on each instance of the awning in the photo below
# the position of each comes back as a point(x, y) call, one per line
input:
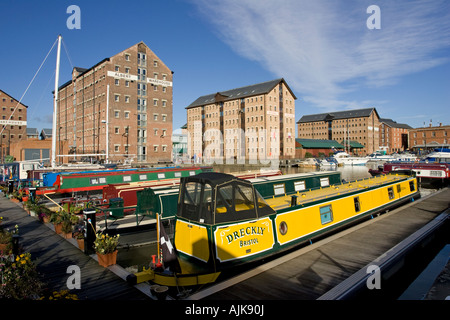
point(317, 144)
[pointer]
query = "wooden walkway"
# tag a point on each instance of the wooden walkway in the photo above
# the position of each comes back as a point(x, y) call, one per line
point(312, 271)
point(53, 255)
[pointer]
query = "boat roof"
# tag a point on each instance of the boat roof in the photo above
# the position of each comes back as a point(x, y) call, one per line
point(292, 176)
point(214, 178)
point(283, 202)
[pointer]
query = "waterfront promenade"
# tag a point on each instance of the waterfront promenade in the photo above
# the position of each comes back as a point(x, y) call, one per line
point(53, 255)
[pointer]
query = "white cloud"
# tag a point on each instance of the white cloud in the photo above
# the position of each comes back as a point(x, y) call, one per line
point(324, 49)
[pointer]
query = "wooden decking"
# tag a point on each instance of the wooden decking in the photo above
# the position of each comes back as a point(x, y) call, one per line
point(53, 255)
point(315, 269)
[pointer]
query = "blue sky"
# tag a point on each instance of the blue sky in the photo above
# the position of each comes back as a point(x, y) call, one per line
point(323, 49)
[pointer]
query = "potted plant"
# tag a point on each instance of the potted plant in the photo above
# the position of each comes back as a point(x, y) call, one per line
point(5, 241)
point(57, 218)
point(79, 236)
point(106, 248)
point(43, 213)
point(6, 237)
point(20, 279)
point(67, 228)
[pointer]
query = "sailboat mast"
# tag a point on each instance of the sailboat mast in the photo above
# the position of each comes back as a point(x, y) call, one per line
point(55, 103)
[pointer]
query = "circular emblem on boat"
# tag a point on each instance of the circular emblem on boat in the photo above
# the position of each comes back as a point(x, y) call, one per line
point(283, 228)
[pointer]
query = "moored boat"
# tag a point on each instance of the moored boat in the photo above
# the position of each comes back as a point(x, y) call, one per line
point(223, 221)
point(343, 158)
point(427, 173)
point(94, 182)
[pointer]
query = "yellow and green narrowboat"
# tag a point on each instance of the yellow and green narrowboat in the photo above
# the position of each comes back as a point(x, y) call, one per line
point(223, 221)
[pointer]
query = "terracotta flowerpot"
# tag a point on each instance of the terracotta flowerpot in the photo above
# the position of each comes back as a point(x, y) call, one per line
point(58, 227)
point(3, 247)
point(108, 259)
point(67, 235)
point(80, 244)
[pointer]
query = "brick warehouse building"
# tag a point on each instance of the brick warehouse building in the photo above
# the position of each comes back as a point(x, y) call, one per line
point(360, 125)
point(425, 139)
point(138, 122)
point(13, 122)
point(393, 136)
point(254, 122)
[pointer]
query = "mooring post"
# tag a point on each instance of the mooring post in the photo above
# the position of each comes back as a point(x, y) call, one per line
point(90, 230)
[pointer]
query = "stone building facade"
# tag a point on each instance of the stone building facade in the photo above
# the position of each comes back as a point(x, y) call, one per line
point(360, 125)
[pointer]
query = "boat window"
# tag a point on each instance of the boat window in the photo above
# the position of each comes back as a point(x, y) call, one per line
point(263, 208)
point(177, 174)
point(161, 175)
point(192, 173)
point(205, 213)
point(299, 185)
point(94, 181)
point(234, 202)
point(278, 189)
point(244, 198)
point(224, 199)
point(412, 186)
point(399, 188)
point(192, 193)
point(324, 182)
point(191, 200)
point(357, 204)
point(391, 193)
point(126, 178)
point(102, 180)
point(326, 214)
point(142, 177)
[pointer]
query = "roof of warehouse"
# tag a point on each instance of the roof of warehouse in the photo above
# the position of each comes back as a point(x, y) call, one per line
point(357, 113)
point(239, 93)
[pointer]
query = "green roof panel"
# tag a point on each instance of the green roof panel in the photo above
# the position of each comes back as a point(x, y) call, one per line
point(317, 144)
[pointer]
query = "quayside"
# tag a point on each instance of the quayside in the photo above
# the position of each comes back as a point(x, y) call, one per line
point(223, 221)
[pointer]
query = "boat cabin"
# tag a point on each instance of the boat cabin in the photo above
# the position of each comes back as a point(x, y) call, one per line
point(214, 198)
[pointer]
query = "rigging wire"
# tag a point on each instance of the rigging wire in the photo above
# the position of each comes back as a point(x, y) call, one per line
point(67, 53)
point(20, 100)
